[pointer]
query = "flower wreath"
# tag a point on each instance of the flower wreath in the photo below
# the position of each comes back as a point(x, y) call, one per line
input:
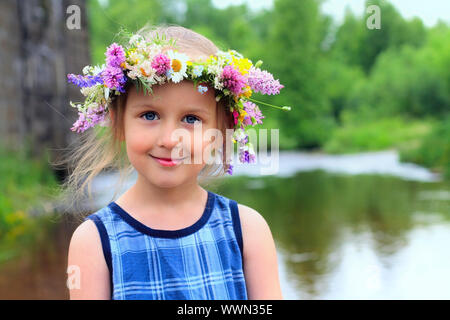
point(143, 62)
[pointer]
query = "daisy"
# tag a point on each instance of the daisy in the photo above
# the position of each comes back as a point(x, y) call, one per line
point(178, 65)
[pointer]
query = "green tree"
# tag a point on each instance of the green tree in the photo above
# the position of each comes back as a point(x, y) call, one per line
point(295, 56)
point(105, 20)
point(394, 32)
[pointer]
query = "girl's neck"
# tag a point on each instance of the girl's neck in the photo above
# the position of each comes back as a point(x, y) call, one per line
point(144, 194)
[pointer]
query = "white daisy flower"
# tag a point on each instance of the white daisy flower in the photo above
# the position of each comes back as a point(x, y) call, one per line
point(179, 65)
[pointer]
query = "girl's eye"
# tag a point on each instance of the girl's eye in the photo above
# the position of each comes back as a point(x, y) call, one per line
point(192, 118)
point(149, 115)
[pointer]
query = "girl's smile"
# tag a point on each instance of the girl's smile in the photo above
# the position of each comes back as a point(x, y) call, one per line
point(167, 162)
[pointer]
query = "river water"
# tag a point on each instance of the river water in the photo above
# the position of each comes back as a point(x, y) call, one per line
point(358, 226)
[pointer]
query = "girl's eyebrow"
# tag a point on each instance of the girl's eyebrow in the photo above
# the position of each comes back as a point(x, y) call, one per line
point(189, 109)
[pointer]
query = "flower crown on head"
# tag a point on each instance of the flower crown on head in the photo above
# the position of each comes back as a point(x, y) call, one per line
point(143, 62)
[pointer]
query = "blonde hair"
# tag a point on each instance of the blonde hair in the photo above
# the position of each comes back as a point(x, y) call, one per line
point(102, 149)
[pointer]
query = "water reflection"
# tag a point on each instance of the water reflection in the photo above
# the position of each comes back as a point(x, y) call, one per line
point(354, 237)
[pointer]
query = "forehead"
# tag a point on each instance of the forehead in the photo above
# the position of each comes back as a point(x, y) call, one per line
point(174, 97)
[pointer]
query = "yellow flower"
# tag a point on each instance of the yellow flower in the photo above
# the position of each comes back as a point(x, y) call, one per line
point(127, 54)
point(242, 115)
point(211, 59)
point(243, 64)
point(189, 63)
point(176, 65)
point(247, 92)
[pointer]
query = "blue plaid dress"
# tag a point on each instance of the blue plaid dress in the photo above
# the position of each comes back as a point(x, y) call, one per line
point(203, 261)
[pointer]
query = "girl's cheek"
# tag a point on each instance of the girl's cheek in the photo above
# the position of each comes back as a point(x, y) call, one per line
point(138, 141)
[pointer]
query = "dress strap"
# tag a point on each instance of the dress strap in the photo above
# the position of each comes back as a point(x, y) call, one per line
point(237, 226)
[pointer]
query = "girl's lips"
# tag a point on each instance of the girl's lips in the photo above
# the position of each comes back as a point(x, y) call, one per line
point(167, 162)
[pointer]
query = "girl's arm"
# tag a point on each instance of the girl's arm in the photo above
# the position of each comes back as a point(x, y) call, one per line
point(88, 274)
point(260, 257)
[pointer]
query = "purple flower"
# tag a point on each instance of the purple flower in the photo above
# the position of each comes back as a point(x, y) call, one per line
point(84, 81)
point(230, 169)
point(114, 78)
point(263, 82)
point(246, 157)
point(115, 55)
point(233, 80)
point(161, 63)
point(89, 119)
point(252, 111)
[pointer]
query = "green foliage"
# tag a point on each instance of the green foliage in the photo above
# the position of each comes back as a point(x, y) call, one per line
point(105, 21)
point(295, 57)
point(25, 182)
point(408, 80)
point(394, 32)
point(434, 149)
point(376, 134)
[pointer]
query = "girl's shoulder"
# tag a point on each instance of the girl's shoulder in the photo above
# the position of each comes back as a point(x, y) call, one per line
point(251, 219)
point(87, 231)
point(247, 215)
point(256, 233)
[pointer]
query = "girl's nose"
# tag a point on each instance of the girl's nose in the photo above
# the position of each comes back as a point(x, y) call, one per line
point(165, 139)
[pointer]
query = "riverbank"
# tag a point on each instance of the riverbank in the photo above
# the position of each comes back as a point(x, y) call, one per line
point(424, 142)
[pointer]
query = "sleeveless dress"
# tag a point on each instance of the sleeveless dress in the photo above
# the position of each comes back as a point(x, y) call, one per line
point(201, 262)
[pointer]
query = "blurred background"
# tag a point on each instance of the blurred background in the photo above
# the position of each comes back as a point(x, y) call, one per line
point(360, 207)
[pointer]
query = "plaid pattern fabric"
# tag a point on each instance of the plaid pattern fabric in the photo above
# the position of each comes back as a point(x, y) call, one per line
point(203, 261)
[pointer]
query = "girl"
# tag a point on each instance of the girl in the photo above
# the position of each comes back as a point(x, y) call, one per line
point(166, 237)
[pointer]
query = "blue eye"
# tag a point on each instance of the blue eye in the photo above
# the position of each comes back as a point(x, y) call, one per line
point(149, 115)
point(192, 118)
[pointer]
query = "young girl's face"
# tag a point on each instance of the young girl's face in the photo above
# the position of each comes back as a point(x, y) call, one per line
point(153, 125)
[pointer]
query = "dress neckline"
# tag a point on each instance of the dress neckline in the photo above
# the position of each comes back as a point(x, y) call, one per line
point(139, 226)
